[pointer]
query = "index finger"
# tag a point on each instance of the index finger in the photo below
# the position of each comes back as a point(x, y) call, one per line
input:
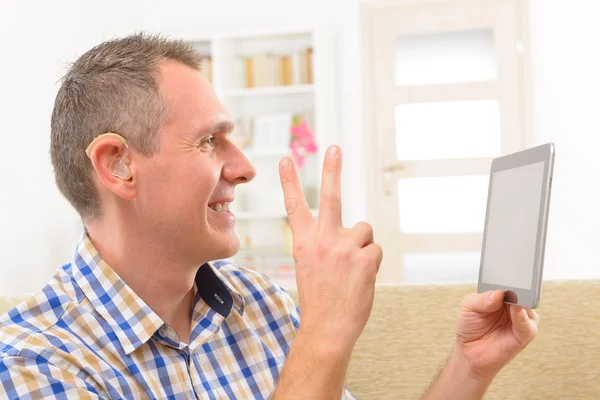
point(489, 301)
point(295, 205)
point(330, 207)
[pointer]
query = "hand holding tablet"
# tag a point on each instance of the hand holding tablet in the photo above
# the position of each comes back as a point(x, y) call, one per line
point(512, 256)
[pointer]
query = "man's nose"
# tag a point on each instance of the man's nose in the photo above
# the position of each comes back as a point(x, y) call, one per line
point(238, 169)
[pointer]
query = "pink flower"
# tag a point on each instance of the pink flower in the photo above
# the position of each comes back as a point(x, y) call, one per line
point(303, 142)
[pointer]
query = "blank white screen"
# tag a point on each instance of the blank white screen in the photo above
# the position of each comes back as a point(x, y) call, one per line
point(511, 236)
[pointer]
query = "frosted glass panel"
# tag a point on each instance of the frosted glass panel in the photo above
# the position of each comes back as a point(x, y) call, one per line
point(441, 267)
point(442, 205)
point(453, 129)
point(445, 57)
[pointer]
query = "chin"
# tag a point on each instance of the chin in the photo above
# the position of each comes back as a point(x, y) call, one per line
point(225, 248)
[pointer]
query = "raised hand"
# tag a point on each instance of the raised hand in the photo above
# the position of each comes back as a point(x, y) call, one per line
point(336, 268)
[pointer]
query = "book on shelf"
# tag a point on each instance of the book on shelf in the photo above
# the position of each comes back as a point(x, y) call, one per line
point(271, 69)
point(269, 132)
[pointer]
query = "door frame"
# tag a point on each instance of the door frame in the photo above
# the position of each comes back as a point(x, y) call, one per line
point(374, 181)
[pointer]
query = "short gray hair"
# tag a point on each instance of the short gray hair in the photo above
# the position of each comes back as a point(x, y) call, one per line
point(114, 87)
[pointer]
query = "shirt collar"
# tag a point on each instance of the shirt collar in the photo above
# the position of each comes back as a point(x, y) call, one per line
point(132, 320)
point(217, 292)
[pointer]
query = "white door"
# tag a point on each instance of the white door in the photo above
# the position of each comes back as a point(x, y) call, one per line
point(444, 98)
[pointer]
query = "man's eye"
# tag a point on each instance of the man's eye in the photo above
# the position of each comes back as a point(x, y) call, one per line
point(209, 141)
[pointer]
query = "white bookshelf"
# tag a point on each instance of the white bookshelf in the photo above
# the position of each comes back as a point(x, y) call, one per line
point(270, 153)
point(250, 215)
point(271, 90)
point(261, 219)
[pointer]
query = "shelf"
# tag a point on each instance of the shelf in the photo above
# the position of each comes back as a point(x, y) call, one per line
point(310, 94)
point(249, 215)
point(270, 90)
point(268, 153)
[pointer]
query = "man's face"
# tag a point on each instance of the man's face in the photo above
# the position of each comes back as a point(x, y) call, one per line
point(184, 191)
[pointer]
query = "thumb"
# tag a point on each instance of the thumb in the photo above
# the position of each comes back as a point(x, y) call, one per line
point(524, 328)
point(489, 301)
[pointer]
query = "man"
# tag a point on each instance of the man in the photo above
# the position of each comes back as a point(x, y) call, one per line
point(140, 148)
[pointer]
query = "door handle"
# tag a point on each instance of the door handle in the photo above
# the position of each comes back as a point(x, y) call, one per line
point(394, 167)
point(388, 174)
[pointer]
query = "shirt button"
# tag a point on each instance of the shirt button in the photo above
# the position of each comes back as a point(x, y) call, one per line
point(162, 331)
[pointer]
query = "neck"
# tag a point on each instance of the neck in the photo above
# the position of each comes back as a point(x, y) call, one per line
point(164, 283)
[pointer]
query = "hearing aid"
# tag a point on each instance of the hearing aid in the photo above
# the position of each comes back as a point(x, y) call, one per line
point(118, 166)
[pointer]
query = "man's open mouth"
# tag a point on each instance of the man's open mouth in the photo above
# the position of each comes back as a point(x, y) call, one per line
point(222, 207)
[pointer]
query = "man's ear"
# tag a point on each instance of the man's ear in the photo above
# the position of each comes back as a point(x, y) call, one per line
point(110, 159)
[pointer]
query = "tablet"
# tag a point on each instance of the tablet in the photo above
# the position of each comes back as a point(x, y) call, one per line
point(514, 238)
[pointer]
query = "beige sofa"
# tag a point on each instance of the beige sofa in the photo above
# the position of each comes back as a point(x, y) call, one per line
point(411, 331)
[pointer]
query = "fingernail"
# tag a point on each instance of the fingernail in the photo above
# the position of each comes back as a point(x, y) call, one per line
point(333, 151)
point(492, 295)
point(285, 163)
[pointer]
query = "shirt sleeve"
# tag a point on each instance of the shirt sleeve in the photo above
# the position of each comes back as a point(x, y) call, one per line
point(291, 307)
point(26, 378)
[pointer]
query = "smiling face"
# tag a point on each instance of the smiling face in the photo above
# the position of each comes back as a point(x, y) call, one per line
point(184, 190)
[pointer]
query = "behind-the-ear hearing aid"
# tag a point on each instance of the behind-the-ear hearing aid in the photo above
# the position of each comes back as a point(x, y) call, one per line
point(118, 166)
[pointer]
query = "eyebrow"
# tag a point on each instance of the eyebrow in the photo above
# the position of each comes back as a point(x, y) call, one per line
point(220, 126)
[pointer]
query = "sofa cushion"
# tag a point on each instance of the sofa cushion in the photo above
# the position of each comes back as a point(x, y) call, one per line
point(411, 332)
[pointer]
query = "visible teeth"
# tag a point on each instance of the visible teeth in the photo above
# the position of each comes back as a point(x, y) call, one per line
point(221, 207)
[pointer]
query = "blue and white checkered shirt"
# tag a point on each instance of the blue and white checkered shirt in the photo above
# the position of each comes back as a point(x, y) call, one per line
point(88, 335)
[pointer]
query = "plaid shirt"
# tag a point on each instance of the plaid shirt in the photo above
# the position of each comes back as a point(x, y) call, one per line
point(88, 335)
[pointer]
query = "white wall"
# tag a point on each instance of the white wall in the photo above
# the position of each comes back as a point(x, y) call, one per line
point(38, 230)
point(36, 225)
point(566, 92)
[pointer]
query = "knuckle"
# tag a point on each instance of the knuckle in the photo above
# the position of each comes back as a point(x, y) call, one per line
point(299, 246)
point(364, 261)
point(291, 205)
point(329, 198)
point(323, 248)
point(285, 177)
point(344, 252)
point(469, 299)
point(523, 316)
point(339, 251)
point(364, 226)
point(379, 251)
point(369, 229)
point(331, 165)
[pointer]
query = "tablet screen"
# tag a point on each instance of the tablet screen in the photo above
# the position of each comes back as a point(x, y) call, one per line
point(512, 226)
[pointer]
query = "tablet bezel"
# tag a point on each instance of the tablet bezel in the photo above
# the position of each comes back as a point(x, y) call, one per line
point(525, 297)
